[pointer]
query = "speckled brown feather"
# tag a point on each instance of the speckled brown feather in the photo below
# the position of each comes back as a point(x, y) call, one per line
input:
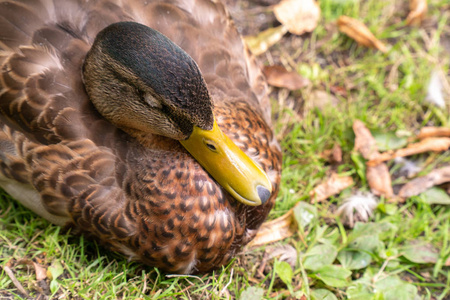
point(154, 204)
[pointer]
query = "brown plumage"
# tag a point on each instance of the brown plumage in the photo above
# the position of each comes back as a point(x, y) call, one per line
point(140, 194)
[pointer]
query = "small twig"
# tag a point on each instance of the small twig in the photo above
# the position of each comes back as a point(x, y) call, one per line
point(375, 278)
point(434, 144)
point(262, 266)
point(185, 277)
point(13, 278)
point(5, 213)
point(144, 288)
point(118, 275)
point(280, 294)
point(228, 283)
point(186, 289)
point(304, 275)
point(36, 235)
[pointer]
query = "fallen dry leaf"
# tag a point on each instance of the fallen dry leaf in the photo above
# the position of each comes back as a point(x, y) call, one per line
point(432, 131)
point(378, 176)
point(336, 153)
point(418, 11)
point(275, 230)
point(41, 272)
point(364, 141)
point(333, 155)
point(278, 76)
point(320, 99)
point(360, 33)
point(379, 180)
point(265, 39)
point(338, 90)
point(421, 184)
point(14, 280)
point(334, 185)
point(298, 16)
point(433, 144)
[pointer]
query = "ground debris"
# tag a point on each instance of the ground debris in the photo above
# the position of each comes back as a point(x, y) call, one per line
point(285, 253)
point(298, 16)
point(433, 144)
point(421, 184)
point(360, 33)
point(40, 271)
point(333, 155)
point(364, 141)
point(418, 11)
point(14, 280)
point(264, 40)
point(278, 76)
point(431, 131)
point(358, 207)
point(275, 230)
point(321, 100)
point(377, 175)
point(334, 185)
point(379, 180)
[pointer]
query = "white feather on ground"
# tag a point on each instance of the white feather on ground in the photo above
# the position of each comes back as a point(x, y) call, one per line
point(358, 207)
point(434, 91)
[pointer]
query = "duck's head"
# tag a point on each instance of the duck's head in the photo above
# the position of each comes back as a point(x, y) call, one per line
point(143, 83)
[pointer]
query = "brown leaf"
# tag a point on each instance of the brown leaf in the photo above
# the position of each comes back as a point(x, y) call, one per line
point(275, 230)
point(364, 141)
point(421, 184)
point(14, 280)
point(265, 39)
point(360, 33)
point(320, 99)
point(41, 272)
point(334, 185)
point(379, 180)
point(378, 176)
point(333, 155)
point(434, 144)
point(299, 16)
point(336, 153)
point(278, 76)
point(418, 11)
point(431, 131)
point(338, 90)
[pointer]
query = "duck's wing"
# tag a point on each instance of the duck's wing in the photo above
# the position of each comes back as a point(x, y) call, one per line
point(46, 118)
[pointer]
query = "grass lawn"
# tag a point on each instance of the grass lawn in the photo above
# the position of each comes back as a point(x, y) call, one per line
point(403, 252)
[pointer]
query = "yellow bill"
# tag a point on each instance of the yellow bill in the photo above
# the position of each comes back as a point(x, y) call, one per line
point(229, 165)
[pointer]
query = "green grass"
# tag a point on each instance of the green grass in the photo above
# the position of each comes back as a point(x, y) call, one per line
point(386, 92)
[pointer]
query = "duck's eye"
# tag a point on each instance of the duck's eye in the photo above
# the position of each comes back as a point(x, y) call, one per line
point(211, 146)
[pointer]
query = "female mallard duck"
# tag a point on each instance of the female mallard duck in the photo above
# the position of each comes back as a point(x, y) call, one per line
point(99, 113)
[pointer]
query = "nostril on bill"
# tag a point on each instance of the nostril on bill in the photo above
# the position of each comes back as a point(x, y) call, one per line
point(263, 193)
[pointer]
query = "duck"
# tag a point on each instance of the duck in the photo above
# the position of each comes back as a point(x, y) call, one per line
point(143, 125)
